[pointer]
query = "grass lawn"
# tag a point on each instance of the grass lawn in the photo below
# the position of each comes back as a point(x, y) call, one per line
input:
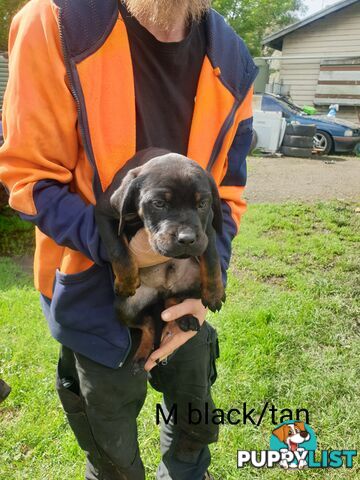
point(16, 236)
point(289, 335)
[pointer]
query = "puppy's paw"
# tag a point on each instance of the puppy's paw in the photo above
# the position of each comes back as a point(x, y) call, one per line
point(213, 296)
point(141, 355)
point(127, 279)
point(126, 287)
point(138, 366)
point(188, 323)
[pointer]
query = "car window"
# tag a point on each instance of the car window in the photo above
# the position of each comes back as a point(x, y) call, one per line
point(272, 104)
point(291, 106)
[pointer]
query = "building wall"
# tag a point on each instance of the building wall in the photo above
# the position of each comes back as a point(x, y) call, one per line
point(336, 34)
point(4, 73)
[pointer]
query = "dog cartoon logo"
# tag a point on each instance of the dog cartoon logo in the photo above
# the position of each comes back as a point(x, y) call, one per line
point(294, 437)
point(293, 445)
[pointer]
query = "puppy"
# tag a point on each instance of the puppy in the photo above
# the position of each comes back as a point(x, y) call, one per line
point(178, 204)
point(293, 435)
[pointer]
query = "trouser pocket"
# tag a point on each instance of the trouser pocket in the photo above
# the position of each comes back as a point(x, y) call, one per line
point(186, 383)
point(214, 353)
point(193, 364)
point(73, 405)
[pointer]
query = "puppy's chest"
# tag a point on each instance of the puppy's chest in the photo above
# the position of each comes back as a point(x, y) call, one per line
point(172, 277)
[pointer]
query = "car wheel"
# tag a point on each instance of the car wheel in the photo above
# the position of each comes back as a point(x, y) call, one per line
point(296, 152)
point(300, 130)
point(297, 141)
point(323, 142)
point(357, 150)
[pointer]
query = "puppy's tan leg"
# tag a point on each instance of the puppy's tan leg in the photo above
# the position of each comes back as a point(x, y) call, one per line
point(212, 288)
point(146, 345)
point(127, 278)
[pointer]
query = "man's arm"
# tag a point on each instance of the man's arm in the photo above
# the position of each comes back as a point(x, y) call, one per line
point(41, 139)
point(233, 184)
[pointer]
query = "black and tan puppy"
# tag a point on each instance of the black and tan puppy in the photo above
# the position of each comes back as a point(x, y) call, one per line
point(178, 204)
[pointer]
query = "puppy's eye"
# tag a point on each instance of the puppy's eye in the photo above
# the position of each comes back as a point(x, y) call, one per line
point(203, 204)
point(159, 203)
point(290, 432)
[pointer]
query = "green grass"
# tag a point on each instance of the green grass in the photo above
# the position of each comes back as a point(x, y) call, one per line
point(16, 236)
point(289, 334)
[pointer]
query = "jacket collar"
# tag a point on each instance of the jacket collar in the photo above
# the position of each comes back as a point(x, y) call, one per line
point(228, 52)
point(86, 24)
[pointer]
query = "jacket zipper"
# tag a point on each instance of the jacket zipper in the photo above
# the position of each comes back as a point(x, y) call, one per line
point(229, 121)
point(85, 134)
point(220, 139)
point(80, 107)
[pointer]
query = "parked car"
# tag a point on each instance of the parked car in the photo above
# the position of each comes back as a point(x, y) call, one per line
point(332, 134)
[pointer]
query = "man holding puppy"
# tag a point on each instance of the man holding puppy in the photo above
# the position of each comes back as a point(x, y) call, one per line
point(90, 84)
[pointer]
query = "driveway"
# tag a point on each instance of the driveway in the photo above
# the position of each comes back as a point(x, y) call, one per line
point(277, 180)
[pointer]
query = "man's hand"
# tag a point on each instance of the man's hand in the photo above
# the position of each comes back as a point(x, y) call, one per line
point(173, 337)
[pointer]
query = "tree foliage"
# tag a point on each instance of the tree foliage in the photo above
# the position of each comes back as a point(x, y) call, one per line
point(254, 19)
point(8, 8)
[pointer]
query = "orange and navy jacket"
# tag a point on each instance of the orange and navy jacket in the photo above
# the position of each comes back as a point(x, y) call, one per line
point(70, 124)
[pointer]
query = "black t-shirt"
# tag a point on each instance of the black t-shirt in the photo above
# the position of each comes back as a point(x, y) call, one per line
point(166, 77)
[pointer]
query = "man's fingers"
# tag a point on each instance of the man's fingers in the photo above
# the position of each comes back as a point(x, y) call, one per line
point(169, 343)
point(166, 337)
point(184, 308)
point(167, 348)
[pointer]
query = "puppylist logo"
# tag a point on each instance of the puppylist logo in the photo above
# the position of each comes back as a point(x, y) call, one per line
point(293, 445)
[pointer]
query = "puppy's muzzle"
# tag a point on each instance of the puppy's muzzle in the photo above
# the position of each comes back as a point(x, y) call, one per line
point(180, 243)
point(187, 237)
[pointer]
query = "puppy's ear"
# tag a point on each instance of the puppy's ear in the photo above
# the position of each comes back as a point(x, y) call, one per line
point(281, 433)
point(216, 205)
point(124, 199)
point(301, 426)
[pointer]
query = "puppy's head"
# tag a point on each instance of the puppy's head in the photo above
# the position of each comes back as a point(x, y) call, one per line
point(292, 434)
point(176, 200)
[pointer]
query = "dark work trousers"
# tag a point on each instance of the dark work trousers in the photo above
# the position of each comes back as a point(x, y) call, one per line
point(102, 405)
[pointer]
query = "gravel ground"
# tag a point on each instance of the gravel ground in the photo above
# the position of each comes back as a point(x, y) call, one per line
point(276, 180)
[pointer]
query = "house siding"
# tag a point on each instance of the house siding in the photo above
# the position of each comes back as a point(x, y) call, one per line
point(4, 73)
point(336, 34)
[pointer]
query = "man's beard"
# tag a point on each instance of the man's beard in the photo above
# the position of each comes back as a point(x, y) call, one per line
point(166, 13)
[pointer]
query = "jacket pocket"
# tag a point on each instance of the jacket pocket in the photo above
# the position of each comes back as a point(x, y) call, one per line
point(85, 301)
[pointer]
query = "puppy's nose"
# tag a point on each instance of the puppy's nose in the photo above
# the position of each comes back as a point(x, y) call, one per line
point(187, 237)
point(304, 434)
